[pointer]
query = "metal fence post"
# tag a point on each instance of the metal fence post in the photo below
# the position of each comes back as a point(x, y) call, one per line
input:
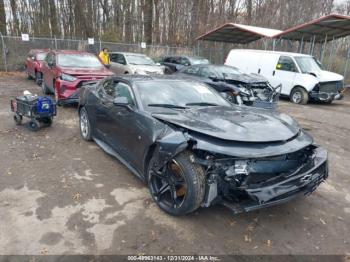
point(323, 48)
point(346, 64)
point(55, 42)
point(4, 51)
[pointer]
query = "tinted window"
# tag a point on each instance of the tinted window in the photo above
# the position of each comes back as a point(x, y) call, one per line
point(118, 58)
point(178, 93)
point(167, 59)
point(286, 63)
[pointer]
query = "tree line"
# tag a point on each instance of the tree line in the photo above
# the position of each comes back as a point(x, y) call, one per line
point(170, 22)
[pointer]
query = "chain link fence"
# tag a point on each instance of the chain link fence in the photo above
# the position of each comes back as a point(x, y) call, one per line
point(14, 51)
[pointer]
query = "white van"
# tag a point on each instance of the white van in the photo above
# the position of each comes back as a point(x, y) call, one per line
point(301, 76)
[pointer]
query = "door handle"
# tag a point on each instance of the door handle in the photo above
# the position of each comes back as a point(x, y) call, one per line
point(273, 72)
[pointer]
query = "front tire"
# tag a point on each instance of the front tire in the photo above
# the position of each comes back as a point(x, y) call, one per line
point(299, 95)
point(44, 88)
point(179, 189)
point(84, 123)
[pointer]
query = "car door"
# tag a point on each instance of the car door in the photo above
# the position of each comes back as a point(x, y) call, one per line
point(50, 71)
point(118, 63)
point(284, 73)
point(114, 123)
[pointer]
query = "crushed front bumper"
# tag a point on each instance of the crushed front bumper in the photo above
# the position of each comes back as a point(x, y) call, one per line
point(302, 182)
point(326, 97)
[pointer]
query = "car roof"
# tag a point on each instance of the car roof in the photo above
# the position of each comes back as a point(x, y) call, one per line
point(186, 56)
point(139, 78)
point(39, 50)
point(127, 53)
point(57, 51)
point(272, 52)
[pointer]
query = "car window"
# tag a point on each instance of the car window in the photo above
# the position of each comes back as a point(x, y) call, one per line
point(192, 70)
point(286, 63)
point(207, 72)
point(49, 58)
point(167, 60)
point(199, 61)
point(184, 61)
point(118, 58)
point(118, 89)
point(40, 56)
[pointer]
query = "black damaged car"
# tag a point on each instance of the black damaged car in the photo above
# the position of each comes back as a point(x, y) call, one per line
point(194, 149)
point(234, 85)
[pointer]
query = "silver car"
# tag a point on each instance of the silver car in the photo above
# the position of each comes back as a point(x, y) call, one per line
point(132, 63)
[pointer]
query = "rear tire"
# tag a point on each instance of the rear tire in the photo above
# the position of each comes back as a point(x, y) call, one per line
point(180, 189)
point(299, 95)
point(84, 124)
point(38, 78)
point(29, 77)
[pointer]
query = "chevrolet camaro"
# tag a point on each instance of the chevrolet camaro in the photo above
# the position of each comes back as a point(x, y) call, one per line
point(194, 149)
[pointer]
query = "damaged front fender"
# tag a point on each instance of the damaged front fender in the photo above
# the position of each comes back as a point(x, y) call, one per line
point(168, 147)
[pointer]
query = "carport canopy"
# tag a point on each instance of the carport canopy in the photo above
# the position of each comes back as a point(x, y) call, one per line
point(329, 27)
point(238, 33)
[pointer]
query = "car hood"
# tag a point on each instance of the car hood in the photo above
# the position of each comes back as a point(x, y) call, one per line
point(86, 71)
point(327, 76)
point(149, 68)
point(243, 78)
point(236, 124)
point(246, 78)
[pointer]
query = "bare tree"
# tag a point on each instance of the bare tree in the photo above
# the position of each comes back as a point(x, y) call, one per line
point(2, 18)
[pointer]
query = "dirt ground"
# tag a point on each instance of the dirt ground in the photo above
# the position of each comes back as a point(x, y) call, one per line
point(62, 195)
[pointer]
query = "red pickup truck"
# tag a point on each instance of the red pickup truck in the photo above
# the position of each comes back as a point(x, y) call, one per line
point(33, 64)
point(64, 72)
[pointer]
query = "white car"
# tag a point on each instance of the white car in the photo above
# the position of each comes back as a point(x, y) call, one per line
point(302, 76)
point(133, 63)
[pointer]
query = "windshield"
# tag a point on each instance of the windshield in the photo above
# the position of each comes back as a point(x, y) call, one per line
point(178, 93)
point(40, 56)
point(139, 60)
point(307, 64)
point(199, 61)
point(78, 60)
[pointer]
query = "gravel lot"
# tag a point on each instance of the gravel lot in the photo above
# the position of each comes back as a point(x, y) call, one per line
point(62, 195)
